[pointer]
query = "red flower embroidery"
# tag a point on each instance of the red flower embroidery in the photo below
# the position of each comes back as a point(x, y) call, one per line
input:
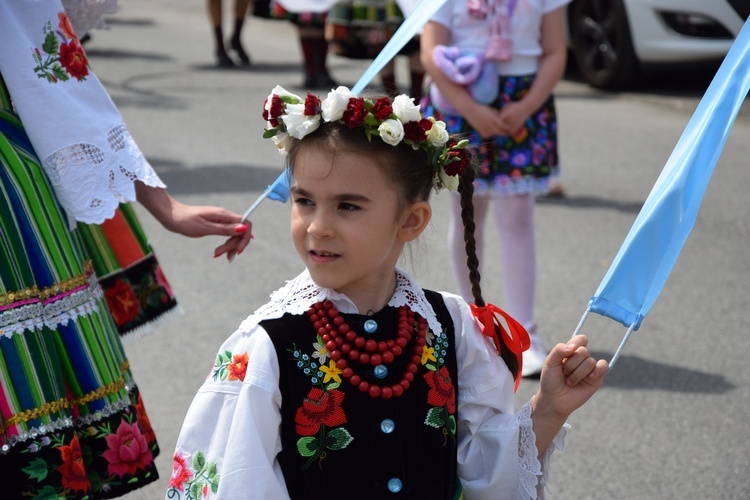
point(122, 302)
point(73, 59)
point(355, 113)
point(180, 472)
point(128, 450)
point(66, 27)
point(148, 431)
point(414, 132)
point(73, 470)
point(459, 158)
point(162, 281)
point(320, 408)
point(382, 109)
point(441, 389)
point(238, 367)
point(312, 105)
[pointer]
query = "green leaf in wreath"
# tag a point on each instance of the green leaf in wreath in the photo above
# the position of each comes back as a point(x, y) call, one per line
point(215, 485)
point(270, 133)
point(211, 470)
point(435, 417)
point(308, 446)
point(51, 45)
point(338, 439)
point(37, 469)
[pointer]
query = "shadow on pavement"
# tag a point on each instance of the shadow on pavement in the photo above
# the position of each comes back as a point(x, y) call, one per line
point(229, 178)
point(633, 372)
point(592, 202)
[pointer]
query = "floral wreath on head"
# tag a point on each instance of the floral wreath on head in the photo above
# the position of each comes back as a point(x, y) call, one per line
point(290, 117)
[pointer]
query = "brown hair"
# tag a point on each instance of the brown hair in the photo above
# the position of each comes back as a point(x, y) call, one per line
point(413, 183)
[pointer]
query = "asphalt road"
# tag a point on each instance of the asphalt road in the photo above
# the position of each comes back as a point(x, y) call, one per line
point(671, 418)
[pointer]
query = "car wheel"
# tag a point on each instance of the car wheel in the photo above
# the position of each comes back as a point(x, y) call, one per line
point(601, 43)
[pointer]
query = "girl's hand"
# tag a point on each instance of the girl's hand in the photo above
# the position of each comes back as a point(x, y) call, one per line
point(570, 377)
point(512, 117)
point(485, 120)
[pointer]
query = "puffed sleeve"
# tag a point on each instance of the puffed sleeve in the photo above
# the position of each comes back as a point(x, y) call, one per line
point(230, 436)
point(497, 454)
point(77, 132)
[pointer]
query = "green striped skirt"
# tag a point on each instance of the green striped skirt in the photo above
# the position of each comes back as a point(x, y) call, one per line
point(359, 29)
point(73, 423)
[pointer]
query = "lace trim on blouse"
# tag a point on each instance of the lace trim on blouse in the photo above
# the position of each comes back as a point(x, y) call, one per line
point(86, 15)
point(299, 294)
point(534, 473)
point(90, 195)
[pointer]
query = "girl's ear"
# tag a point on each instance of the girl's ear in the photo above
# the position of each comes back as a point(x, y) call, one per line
point(416, 218)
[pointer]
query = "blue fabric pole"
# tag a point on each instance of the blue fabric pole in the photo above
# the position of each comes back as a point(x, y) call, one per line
point(422, 12)
point(653, 244)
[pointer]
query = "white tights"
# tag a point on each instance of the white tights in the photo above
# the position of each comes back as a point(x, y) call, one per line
point(514, 216)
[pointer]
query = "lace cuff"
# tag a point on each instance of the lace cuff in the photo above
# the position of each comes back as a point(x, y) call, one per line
point(86, 15)
point(534, 473)
point(90, 181)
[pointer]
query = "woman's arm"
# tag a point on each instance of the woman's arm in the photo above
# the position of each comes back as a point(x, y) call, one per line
point(195, 221)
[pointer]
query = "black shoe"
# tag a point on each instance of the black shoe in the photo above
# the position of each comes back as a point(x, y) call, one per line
point(223, 60)
point(237, 47)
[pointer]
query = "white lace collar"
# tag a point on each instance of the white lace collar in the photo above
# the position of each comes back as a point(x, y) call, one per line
point(299, 294)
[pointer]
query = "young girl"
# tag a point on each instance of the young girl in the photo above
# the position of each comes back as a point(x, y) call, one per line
point(514, 133)
point(353, 381)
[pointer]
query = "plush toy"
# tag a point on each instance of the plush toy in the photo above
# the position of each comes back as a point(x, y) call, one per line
point(470, 70)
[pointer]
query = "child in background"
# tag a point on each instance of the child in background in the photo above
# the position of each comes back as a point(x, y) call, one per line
point(514, 135)
point(353, 381)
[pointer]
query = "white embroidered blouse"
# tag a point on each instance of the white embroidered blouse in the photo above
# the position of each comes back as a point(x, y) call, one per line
point(238, 408)
point(85, 148)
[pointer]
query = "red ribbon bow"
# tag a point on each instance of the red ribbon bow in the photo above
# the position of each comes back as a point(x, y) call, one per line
point(516, 340)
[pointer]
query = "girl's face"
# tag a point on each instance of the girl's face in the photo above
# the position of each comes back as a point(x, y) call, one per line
point(346, 225)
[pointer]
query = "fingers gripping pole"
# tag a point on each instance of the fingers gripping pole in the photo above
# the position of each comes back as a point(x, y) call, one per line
point(622, 344)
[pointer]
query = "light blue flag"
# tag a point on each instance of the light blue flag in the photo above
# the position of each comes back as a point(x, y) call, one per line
point(423, 11)
point(641, 267)
point(278, 191)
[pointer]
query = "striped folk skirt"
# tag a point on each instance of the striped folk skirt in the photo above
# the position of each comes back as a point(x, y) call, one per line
point(73, 423)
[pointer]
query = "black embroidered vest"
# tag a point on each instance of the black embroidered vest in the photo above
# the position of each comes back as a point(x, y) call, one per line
point(339, 443)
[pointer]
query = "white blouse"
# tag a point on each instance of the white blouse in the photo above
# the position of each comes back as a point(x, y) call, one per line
point(75, 128)
point(230, 437)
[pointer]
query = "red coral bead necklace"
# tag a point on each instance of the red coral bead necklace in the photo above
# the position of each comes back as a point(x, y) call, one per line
point(344, 345)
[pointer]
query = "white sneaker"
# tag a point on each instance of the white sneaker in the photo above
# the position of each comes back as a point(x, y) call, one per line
point(534, 356)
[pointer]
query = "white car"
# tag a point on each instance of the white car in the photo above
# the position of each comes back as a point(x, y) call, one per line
point(612, 41)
